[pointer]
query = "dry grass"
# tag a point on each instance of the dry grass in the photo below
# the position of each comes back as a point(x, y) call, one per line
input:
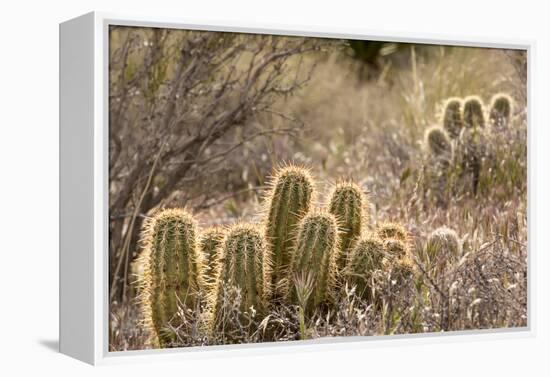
point(371, 132)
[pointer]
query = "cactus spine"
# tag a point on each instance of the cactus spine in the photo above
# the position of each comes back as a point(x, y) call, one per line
point(452, 117)
point(173, 271)
point(315, 255)
point(366, 257)
point(473, 112)
point(500, 110)
point(288, 200)
point(242, 264)
point(346, 204)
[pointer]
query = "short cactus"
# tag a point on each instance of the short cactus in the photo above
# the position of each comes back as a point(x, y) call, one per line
point(365, 258)
point(289, 199)
point(389, 230)
point(347, 203)
point(437, 142)
point(242, 264)
point(501, 110)
point(315, 253)
point(397, 259)
point(209, 242)
point(173, 270)
point(443, 242)
point(452, 117)
point(473, 113)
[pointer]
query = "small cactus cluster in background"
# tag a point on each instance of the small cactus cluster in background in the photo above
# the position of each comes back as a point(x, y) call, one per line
point(461, 140)
point(300, 254)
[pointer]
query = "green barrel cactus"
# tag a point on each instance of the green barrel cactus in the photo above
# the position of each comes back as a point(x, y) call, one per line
point(289, 199)
point(473, 112)
point(347, 203)
point(500, 111)
point(242, 264)
point(315, 256)
point(452, 117)
point(366, 257)
point(173, 271)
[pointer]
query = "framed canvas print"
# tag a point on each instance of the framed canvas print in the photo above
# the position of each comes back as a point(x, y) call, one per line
point(230, 189)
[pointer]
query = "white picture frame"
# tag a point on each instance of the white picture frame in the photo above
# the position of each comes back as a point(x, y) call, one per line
point(84, 191)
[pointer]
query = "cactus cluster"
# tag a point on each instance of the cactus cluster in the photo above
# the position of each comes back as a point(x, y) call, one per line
point(462, 140)
point(312, 250)
point(387, 250)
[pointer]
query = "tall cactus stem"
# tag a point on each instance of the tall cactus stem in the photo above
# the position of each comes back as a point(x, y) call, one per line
point(289, 198)
point(242, 262)
point(501, 110)
point(348, 204)
point(315, 254)
point(473, 112)
point(452, 117)
point(173, 271)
